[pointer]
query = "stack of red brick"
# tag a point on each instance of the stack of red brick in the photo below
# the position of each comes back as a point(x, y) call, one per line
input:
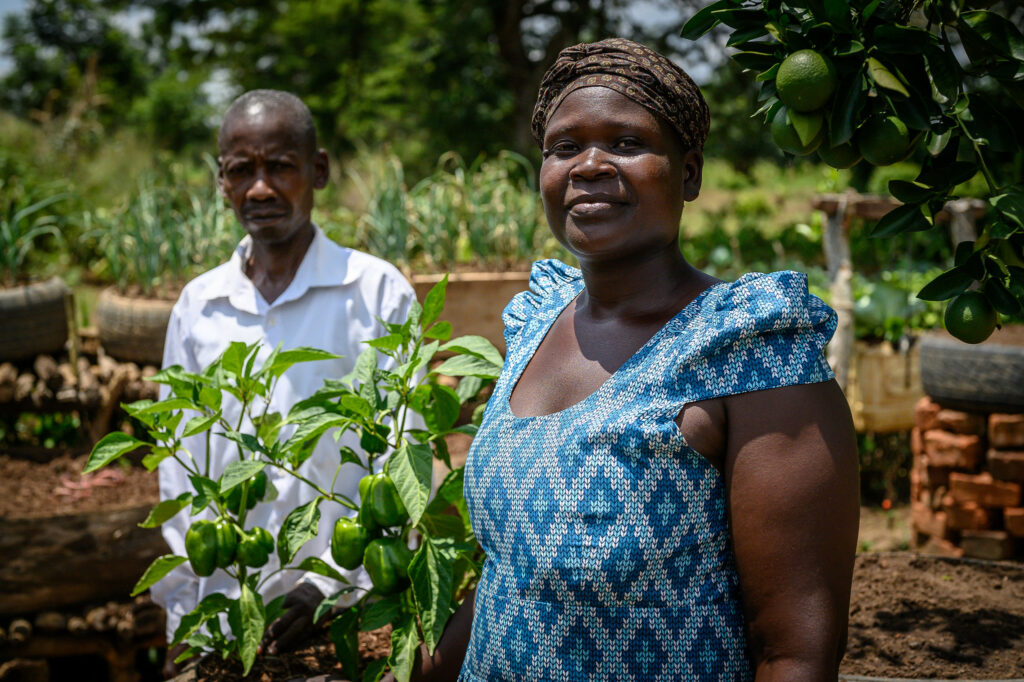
point(966, 482)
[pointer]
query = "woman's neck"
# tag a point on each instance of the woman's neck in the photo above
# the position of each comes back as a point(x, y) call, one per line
point(655, 286)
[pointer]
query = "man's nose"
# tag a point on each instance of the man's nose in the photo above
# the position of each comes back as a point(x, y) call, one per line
point(260, 189)
point(593, 163)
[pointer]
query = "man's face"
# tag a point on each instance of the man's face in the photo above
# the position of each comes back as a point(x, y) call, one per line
point(268, 173)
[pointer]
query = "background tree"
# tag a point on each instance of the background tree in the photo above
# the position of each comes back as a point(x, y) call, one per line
point(881, 79)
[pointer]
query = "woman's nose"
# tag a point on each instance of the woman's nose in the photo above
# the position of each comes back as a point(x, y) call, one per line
point(593, 163)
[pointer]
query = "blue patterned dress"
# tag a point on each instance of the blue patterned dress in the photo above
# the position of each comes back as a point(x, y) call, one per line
point(607, 537)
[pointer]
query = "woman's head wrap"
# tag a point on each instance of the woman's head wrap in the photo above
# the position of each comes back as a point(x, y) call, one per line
point(633, 70)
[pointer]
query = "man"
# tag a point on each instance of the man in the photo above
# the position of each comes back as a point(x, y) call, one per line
point(285, 284)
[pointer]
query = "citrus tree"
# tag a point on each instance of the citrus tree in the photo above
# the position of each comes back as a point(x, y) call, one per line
point(876, 81)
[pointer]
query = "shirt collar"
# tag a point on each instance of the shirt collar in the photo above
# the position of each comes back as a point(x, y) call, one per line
point(325, 264)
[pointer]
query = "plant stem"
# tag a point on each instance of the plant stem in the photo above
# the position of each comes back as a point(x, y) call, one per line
point(981, 159)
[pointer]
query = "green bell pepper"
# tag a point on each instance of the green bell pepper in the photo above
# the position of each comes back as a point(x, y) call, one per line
point(255, 547)
point(257, 491)
point(386, 506)
point(201, 547)
point(227, 543)
point(210, 545)
point(387, 563)
point(348, 542)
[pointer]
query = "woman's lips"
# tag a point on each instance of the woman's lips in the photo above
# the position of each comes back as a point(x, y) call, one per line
point(594, 208)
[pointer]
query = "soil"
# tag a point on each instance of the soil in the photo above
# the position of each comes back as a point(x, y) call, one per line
point(925, 617)
point(912, 616)
point(314, 660)
point(33, 490)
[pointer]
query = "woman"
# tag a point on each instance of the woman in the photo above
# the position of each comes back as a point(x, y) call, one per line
point(665, 480)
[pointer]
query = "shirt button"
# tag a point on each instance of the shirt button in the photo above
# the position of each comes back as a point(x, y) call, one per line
point(271, 321)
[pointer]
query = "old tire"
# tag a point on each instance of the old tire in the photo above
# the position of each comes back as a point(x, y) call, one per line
point(986, 377)
point(34, 319)
point(132, 329)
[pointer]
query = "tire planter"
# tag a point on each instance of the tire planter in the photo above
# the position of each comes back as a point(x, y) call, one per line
point(34, 319)
point(56, 561)
point(132, 329)
point(987, 376)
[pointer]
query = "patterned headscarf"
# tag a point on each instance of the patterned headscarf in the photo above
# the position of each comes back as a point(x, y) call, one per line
point(633, 70)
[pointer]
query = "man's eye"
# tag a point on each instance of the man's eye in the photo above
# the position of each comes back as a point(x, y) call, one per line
point(279, 165)
point(238, 170)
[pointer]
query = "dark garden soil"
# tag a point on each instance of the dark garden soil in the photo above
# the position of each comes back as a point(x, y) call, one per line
point(33, 489)
point(923, 617)
point(912, 616)
point(316, 659)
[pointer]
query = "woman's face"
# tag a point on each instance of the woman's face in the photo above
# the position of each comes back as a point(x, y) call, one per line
point(614, 176)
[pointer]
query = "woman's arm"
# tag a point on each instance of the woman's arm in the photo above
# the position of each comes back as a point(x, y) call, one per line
point(792, 485)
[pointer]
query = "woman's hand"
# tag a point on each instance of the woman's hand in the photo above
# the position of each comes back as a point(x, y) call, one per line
point(792, 487)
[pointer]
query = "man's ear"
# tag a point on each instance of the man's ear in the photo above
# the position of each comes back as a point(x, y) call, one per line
point(321, 169)
point(693, 173)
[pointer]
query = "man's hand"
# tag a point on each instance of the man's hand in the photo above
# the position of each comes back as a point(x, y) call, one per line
point(295, 623)
point(172, 669)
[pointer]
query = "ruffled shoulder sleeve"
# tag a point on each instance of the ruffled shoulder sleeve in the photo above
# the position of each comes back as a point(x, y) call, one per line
point(552, 285)
point(761, 331)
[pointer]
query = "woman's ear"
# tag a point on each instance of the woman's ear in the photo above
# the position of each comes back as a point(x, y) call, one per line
point(693, 170)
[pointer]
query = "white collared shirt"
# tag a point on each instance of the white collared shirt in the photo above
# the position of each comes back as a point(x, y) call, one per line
point(332, 304)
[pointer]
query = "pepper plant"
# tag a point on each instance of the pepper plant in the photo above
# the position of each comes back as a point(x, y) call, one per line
point(418, 551)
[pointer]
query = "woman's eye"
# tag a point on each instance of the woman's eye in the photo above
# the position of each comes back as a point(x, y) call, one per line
point(627, 144)
point(562, 148)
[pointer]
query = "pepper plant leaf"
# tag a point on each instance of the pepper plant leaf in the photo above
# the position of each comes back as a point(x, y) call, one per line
point(111, 446)
point(433, 304)
point(477, 346)
point(382, 612)
point(237, 472)
point(431, 573)
point(210, 606)
point(404, 643)
point(160, 567)
point(197, 425)
point(344, 634)
point(166, 510)
point(410, 467)
point(299, 527)
point(248, 621)
point(312, 564)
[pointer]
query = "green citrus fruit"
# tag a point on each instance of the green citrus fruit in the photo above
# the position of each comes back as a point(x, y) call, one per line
point(785, 133)
point(884, 140)
point(841, 156)
point(970, 317)
point(805, 80)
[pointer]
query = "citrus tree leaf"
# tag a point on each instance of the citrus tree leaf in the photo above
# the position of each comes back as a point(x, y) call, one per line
point(410, 467)
point(906, 218)
point(910, 192)
point(947, 285)
point(884, 78)
point(160, 567)
point(997, 33)
point(703, 21)
point(111, 447)
point(849, 102)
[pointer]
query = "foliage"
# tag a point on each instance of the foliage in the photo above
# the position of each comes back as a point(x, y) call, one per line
point(162, 236)
point(372, 403)
point(486, 213)
point(23, 221)
point(890, 63)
